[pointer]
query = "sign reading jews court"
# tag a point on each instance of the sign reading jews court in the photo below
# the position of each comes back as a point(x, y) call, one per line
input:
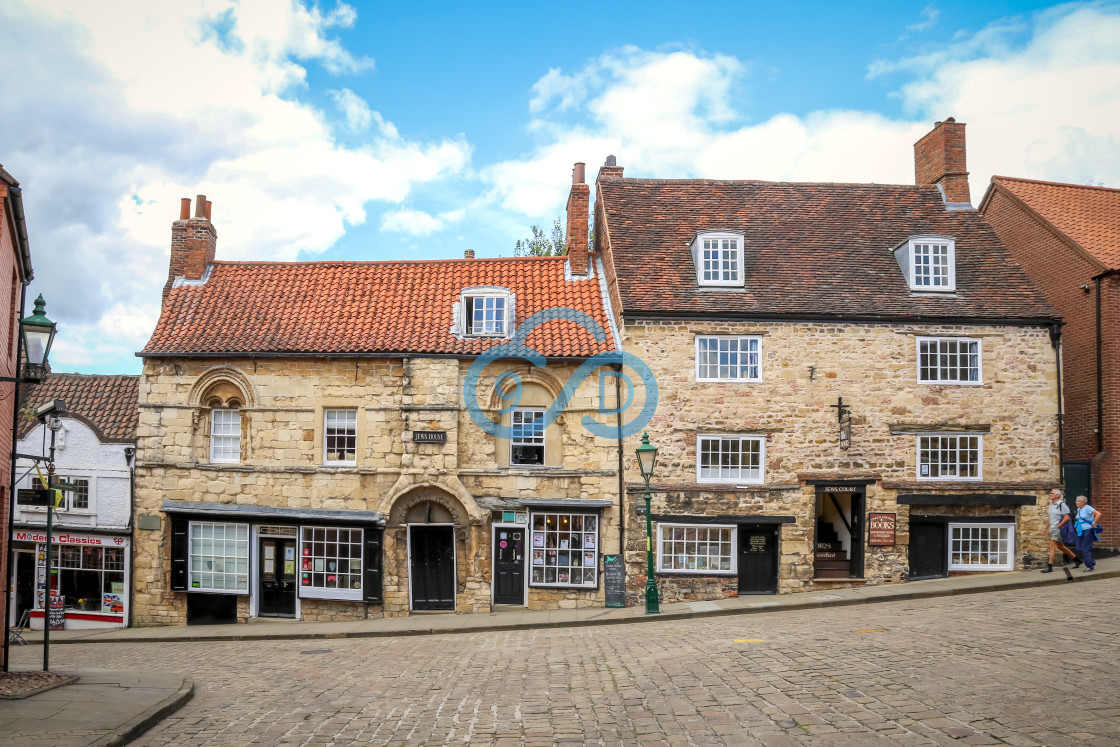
point(880, 529)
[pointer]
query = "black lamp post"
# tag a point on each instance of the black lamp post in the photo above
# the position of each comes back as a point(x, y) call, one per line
point(36, 335)
point(647, 460)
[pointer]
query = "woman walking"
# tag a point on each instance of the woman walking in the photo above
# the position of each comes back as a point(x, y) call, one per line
point(1086, 525)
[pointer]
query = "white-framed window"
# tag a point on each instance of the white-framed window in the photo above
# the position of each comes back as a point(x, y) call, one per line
point(719, 259)
point(928, 262)
point(77, 499)
point(565, 549)
point(738, 459)
point(697, 548)
point(950, 456)
point(330, 562)
point(526, 443)
point(981, 547)
point(340, 437)
point(724, 358)
point(486, 315)
point(225, 436)
point(949, 360)
point(219, 557)
point(91, 578)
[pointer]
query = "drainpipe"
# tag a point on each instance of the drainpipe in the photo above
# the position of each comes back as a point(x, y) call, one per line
point(1100, 386)
point(621, 476)
point(1056, 343)
point(130, 460)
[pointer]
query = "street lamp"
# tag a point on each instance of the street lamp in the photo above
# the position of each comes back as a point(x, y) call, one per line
point(647, 460)
point(37, 333)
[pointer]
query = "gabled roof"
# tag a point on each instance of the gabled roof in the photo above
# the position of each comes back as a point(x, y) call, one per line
point(368, 308)
point(1088, 216)
point(108, 404)
point(811, 251)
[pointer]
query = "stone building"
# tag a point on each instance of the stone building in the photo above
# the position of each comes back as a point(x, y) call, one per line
point(1067, 239)
point(92, 536)
point(340, 440)
point(857, 382)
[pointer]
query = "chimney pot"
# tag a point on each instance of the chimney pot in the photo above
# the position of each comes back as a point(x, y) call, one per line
point(209, 206)
point(200, 206)
point(468, 254)
point(578, 173)
point(611, 161)
point(185, 208)
point(610, 169)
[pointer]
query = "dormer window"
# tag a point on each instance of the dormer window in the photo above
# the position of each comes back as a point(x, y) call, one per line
point(719, 258)
point(929, 263)
point(486, 312)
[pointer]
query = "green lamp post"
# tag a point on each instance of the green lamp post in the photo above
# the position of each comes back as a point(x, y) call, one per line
point(38, 335)
point(647, 460)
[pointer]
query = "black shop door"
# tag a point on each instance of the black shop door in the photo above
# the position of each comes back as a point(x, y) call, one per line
point(929, 558)
point(432, 567)
point(758, 559)
point(509, 565)
point(278, 577)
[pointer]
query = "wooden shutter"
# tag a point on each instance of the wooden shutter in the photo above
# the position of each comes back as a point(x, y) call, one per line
point(179, 559)
point(371, 580)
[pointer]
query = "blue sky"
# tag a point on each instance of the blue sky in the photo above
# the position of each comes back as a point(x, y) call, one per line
point(397, 130)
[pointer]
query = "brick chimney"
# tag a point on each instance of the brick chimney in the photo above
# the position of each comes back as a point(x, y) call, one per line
point(939, 159)
point(193, 240)
point(610, 169)
point(579, 204)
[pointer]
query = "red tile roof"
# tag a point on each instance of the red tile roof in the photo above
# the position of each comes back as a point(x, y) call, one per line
point(108, 404)
point(811, 250)
point(338, 308)
point(1088, 216)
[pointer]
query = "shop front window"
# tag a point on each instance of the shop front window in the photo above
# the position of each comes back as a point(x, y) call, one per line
point(565, 550)
point(91, 578)
point(683, 548)
point(331, 563)
point(219, 557)
point(981, 547)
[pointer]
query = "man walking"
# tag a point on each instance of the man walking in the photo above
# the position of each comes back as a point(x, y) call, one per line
point(1059, 515)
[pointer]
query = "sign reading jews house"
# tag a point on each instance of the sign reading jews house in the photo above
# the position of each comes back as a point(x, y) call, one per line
point(429, 437)
point(880, 529)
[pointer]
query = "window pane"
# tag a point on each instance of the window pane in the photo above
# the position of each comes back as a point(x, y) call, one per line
point(218, 554)
point(340, 435)
point(562, 554)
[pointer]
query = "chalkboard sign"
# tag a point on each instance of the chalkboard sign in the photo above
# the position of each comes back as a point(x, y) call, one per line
point(614, 578)
point(56, 613)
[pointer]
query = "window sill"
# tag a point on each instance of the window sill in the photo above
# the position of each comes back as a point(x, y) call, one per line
point(720, 574)
point(331, 595)
point(950, 383)
point(728, 381)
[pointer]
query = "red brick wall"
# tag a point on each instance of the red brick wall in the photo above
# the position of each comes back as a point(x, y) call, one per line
point(1060, 270)
point(193, 242)
point(579, 203)
point(939, 158)
point(9, 270)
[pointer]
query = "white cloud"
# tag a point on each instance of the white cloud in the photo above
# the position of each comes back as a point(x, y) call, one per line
point(929, 16)
point(110, 118)
point(419, 223)
point(1040, 95)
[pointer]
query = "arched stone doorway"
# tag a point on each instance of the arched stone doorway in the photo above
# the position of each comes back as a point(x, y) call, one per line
point(434, 549)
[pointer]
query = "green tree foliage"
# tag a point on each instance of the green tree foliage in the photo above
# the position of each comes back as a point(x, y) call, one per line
point(552, 245)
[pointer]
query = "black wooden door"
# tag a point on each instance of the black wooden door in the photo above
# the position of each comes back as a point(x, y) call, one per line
point(277, 577)
point(432, 567)
point(509, 565)
point(758, 559)
point(929, 557)
point(855, 556)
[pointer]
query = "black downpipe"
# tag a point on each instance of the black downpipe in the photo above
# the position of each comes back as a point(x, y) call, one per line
point(12, 484)
point(1100, 368)
point(131, 527)
point(621, 476)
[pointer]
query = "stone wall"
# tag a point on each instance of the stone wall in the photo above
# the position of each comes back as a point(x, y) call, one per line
point(282, 461)
point(806, 367)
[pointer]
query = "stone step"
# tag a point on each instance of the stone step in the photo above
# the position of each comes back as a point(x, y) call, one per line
point(832, 564)
point(832, 573)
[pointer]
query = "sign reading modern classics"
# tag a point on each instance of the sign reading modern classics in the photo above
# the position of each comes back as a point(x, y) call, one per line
point(70, 538)
point(429, 437)
point(881, 529)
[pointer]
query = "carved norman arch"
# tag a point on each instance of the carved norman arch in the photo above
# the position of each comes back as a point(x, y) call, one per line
point(224, 383)
point(416, 501)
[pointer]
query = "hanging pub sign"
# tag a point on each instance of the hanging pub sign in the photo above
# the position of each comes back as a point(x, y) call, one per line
point(881, 529)
point(429, 437)
point(844, 417)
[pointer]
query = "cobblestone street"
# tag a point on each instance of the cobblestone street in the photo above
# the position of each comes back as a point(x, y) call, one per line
point(1029, 667)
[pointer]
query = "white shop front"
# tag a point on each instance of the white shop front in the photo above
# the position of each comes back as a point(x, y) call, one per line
point(89, 571)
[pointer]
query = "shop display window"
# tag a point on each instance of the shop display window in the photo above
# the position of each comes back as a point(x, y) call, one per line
point(981, 547)
point(696, 549)
point(90, 578)
point(331, 562)
point(219, 557)
point(565, 550)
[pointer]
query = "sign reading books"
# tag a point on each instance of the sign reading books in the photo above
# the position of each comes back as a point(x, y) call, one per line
point(881, 529)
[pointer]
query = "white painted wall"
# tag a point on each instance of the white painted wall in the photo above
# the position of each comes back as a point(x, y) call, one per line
point(79, 454)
